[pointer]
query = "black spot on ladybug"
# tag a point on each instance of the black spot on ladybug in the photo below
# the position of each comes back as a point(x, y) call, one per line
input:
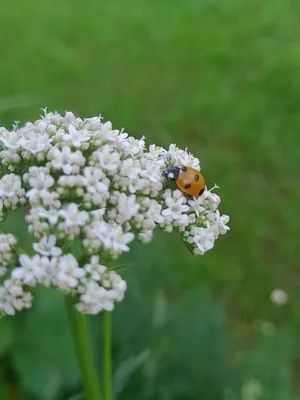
point(183, 169)
point(196, 177)
point(201, 192)
point(187, 186)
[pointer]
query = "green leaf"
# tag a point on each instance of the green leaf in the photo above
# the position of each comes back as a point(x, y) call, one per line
point(3, 387)
point(79, 396)
point(43, 355)
point(127, 369)
point(6, 333)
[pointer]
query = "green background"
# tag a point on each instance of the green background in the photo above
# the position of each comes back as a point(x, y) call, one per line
point(221, 77)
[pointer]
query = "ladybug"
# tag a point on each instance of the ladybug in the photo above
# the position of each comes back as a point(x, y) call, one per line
point(188, 180)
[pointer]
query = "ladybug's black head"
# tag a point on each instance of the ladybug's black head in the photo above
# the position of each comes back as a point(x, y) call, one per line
point(172, 173)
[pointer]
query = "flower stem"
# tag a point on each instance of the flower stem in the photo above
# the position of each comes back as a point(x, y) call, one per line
point(83, 350)
point(107, 374)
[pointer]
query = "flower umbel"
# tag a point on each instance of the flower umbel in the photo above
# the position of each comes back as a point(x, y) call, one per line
point(80, 179)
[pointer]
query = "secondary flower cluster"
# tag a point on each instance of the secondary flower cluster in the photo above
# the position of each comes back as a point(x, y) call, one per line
point(85, 182)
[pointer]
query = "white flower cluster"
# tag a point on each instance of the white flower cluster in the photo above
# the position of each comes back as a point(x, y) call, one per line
point(279, 297)
point(8, 248)
point(83, 180)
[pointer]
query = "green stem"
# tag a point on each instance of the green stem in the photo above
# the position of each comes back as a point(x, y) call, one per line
point(83, 350)
point(107, 374)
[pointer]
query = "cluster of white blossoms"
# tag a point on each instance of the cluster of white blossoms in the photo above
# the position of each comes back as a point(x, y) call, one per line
point(81, 180)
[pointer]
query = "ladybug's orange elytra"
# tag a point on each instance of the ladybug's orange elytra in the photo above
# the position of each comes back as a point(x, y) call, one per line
point(188, 180)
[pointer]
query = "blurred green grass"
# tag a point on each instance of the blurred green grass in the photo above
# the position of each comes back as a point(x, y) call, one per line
point(221, 78)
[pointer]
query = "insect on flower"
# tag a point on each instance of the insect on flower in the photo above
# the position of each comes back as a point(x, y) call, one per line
point(188, 180)
point(85, 181)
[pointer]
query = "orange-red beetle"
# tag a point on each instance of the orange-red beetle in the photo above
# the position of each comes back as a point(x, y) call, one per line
point(188, 180)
